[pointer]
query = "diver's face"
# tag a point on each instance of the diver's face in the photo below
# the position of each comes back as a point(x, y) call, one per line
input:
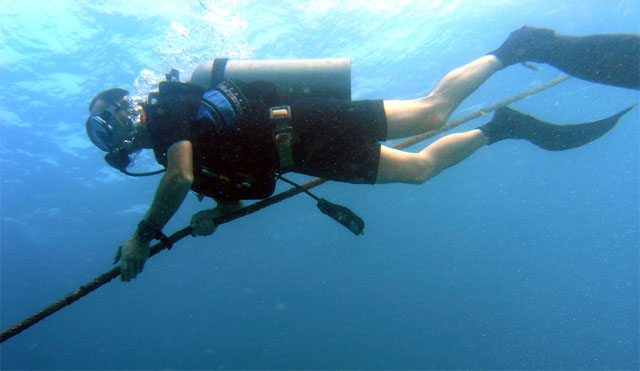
point(119, 120)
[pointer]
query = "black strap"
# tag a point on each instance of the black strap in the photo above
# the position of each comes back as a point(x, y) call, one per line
point(217, 71)
point(148, 230)
point(165, 241)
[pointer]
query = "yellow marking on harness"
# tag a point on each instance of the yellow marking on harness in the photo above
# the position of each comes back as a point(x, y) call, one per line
point(283, 134)
point(280, 113)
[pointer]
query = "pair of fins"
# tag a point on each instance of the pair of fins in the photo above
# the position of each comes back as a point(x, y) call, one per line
point(508, 123)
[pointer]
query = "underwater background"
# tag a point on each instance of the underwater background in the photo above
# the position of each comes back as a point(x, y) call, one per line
point(517, 258)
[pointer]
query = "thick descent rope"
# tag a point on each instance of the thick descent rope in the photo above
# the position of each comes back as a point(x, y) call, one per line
point(250, 209)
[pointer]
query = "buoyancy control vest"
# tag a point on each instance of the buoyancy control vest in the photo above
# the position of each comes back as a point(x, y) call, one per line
point(240, 135)
point(234, 153)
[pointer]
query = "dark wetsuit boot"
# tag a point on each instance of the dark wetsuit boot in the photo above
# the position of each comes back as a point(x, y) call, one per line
point(611, 59)
point(508, 123)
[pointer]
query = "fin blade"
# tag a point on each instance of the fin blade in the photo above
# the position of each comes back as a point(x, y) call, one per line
point(554, 137)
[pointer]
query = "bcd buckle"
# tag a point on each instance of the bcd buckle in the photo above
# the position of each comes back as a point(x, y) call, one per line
point(283, 134)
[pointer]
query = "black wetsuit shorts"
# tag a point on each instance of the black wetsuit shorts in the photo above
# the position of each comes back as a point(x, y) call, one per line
point(338, 140)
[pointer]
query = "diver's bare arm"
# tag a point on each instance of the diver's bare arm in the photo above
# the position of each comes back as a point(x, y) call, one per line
point(174, 185)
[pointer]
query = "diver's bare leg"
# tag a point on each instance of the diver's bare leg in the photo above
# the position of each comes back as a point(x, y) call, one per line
point(404, 167)
point(411, 117)
point(507, 123)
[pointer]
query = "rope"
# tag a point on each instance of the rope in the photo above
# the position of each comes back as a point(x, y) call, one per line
point(250, 209)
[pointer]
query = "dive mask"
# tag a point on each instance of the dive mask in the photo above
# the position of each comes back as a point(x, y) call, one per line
point(100, 128)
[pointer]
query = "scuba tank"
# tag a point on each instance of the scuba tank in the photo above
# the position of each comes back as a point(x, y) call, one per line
point(294, 79)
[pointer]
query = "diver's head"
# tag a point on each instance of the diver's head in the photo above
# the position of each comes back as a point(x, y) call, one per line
point(109, 124)
point(115, 125)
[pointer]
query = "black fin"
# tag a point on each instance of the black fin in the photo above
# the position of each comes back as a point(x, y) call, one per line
point(509, 123)
point(562, 137)
point(525, 44)
point(610, 59)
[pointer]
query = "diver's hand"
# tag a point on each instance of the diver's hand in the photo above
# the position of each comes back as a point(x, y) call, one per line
point(132, 255)
point(202, 222)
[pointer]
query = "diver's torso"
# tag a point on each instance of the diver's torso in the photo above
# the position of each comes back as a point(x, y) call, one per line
point(232, 160)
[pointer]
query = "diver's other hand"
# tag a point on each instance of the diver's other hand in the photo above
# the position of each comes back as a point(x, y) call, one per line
point(202, 222)
point(132, 254)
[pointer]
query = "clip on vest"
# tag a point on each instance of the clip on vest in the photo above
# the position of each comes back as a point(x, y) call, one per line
point(283, 134)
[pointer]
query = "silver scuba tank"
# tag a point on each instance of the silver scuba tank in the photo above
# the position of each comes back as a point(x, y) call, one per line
point(294, 79)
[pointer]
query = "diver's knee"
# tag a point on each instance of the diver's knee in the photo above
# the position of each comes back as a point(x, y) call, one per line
point(426, 169)
point(437, 109)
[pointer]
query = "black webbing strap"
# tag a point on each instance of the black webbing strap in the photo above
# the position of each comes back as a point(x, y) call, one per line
point(217, 71)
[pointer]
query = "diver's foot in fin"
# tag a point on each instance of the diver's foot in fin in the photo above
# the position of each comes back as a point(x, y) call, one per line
point(508, 123)
point(525, 44)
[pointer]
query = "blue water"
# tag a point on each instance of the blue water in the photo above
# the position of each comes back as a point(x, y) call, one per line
point(517, 258)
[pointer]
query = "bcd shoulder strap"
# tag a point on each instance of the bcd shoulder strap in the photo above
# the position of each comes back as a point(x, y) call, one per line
point(171, 88)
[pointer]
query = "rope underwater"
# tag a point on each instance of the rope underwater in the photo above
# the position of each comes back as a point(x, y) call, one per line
point(250, 209)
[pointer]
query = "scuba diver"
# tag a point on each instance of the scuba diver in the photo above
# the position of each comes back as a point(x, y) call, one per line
point(233, 139)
